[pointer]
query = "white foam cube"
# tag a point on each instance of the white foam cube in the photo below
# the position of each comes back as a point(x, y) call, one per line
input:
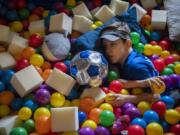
point(82, 9)
point(60, 23)
point(60, 81)
point(64, 119)
point(159, 19)
point(37, 27)
point(81, 23)
point(96, 93)
point(26, 80)
point(148, 4)
point(94, 11)
point(6, 61)
point(17, 45)
point(104, 14)
point(7, 124)
point(139, 11)
point(118, 6)
point(4, 34)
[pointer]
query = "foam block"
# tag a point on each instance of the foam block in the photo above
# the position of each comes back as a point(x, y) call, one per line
point(6, 61)
point(37, 27)
point(159, 19)
point(60, 81)
point(17, 45)
point(82, 10)
point(64, 119)
point(148, 4)
point(60, 23)
point(95, 93)
point(4, 34)
point(118, 6)
point(104, 14)
point(26, 80)
point(81, 23)
point(7, 124)
point(139, 11)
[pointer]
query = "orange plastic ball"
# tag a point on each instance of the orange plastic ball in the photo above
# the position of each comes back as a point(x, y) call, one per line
point(46, 74)
point(33, 17)
point(146, 20)
point(6, 97)
point(34, 133)
point(43, 124)
point(46, 65)
point(176, 56)
point(94, 114)
point(86, 104)
point(39, 70)
point(178, 109)
point(27, 52)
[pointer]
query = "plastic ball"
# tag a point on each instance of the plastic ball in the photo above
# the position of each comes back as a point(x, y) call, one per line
point(137, 91)
point(169, 101)
point(6, 97)
point(164, 44)
point(112, 75)
point(33, 17)
point(153, 57)
point(94, 26)
point(135, 130)
point(89, 123)
point(143, 106)
point(67, 103)
point(176, 56)
point(43, 124)
point(46, 65)
point(159, 64)
point(139, 47)
point(18, 131)
point(157, 50)
point(61, 66)
point(154, 129)
point(24, 13)
point(74, 94)
point(100, 130)
point(42, 111)
point(16, 26)
point(4, 110)
point(82, 117)
point(155, 36)
point(46, 74)
point(132, 113)
point(86, 131)
point(22, 63)
point(36, 60)
point(165, 54)
point(150, 116)
point(126, 106)
point(164, 125)
point(31, 104)
point(86, 104)
point(135, 37)
point(124, 92)
point(106, 106)
point(166, 79)
point(98, 23)
point(42, 96)
point(169, 60)
point(146, 20)
point(25, 24)
point(115, 86)
point(158, 90)
point(139, 121)
point(76, 102)
point(29, 125)
point(117, 112)
point(175, 129)
point(172, 116)
point(167, 71)
point(57, 99)
point(94, 114)
point(175, 79)
point(148, 50)
point(159, 107)
point(105, 89)
point(35, 40)
point(24, 113)
point(11, 15)
point(21, 4)
point(16, 103)
point(7, 75)
point(177, 69)
point(106, 118)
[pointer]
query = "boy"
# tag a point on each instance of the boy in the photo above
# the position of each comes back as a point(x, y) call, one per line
point(137, 71)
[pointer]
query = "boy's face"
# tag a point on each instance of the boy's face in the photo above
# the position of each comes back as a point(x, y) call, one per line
point(116, 51)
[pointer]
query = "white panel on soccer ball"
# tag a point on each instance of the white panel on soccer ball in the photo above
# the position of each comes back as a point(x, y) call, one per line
point(95, 58)
point(82, 77)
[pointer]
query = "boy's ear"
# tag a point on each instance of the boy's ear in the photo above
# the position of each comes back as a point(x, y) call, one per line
point(129, 43)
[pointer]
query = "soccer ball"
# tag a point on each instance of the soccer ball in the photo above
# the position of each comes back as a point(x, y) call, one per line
point(89, 67)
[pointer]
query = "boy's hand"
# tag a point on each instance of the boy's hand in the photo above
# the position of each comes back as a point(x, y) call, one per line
point(155, 81)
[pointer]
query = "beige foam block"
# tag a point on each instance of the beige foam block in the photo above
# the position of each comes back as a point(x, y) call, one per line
point(60, 23)
point(60, 81)
point(17, 45)
point(4, 34)
point(159, 19)
point(8, 123)
point(95, 93)
point(64, 119)
point(81, 23)
point(118, 6)
point(82, 10)
point(37, 27)
point(26, 80)
point(148, 4)
point(104, 14)
point(94, 11)
point(6, 61)
point(139, 11)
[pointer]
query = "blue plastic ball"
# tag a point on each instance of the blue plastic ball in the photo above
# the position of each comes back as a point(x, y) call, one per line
point(164, 125)
point(17, 103)
point(139, 121)
point(155, 36)
point(11, 88)
point(169, 101)
point(150, 116)
point(3, 11)
point(31, 104)
point(1, 73)
point(82, 117)
point(74, 94)
point(67, 63)
point(7, 75)
point(2, 86)
point(30, 6)
point(12, 15)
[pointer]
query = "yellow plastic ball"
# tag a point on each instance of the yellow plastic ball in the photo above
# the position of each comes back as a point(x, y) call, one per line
point(177, 69)
point(108, 97)
point(16, 26)
point(149, 28)
point(98, 23)
point(25, 113)
point(67, 103)
point(154, 129)
point(75, 102)
point(4, 110)
point(26, 34)
point(90, 123)
point(157, 50)
point(165, 54)
point(71, 3)
point(124, 92)
point(137, 91)
point(42, 111)
point(45, 13)
point(36, 60)
point(172, 116)
point(106, 106)
point(93, 26)
point(158, 90)
point(148, 50)
point(143, 106)
point(57, 99)
point(70, 133)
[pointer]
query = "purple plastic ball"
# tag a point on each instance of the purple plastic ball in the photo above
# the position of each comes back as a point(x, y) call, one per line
point(86, 131)
point(133, 112)
point(42, 96)
point(126, 106)
point(153, 57)
point(166, 79)
point(174, 80)
point(102, 131)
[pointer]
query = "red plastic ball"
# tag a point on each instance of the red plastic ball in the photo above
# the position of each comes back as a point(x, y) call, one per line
point(57, 5)
point(66, 11)
point(3, 21)
point(135, 130)
point(164, 44)
point(97, 3)
point(169, 60)
point(115, 86)
point(35, 40)
point(117, 112)
point(159, 107)
point(21, 64)
point(20, 4)
point(175, 129)
point(61, 66)
point(133, 1)
point(105, 89)
point(25, 24)
point(38, 11)
point(153, 43)
point(159, 64)
point(11, 4)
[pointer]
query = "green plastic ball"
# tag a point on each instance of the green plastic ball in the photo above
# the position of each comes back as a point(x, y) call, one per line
point(106, 118)
point(171, 66)
point(167, 71)
point(24, 13)
point(147, 33)
point(29, 125)
point(18, 131)
point(139, 47)
point(135, 37)
point(177, 62)
point(112, 75)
